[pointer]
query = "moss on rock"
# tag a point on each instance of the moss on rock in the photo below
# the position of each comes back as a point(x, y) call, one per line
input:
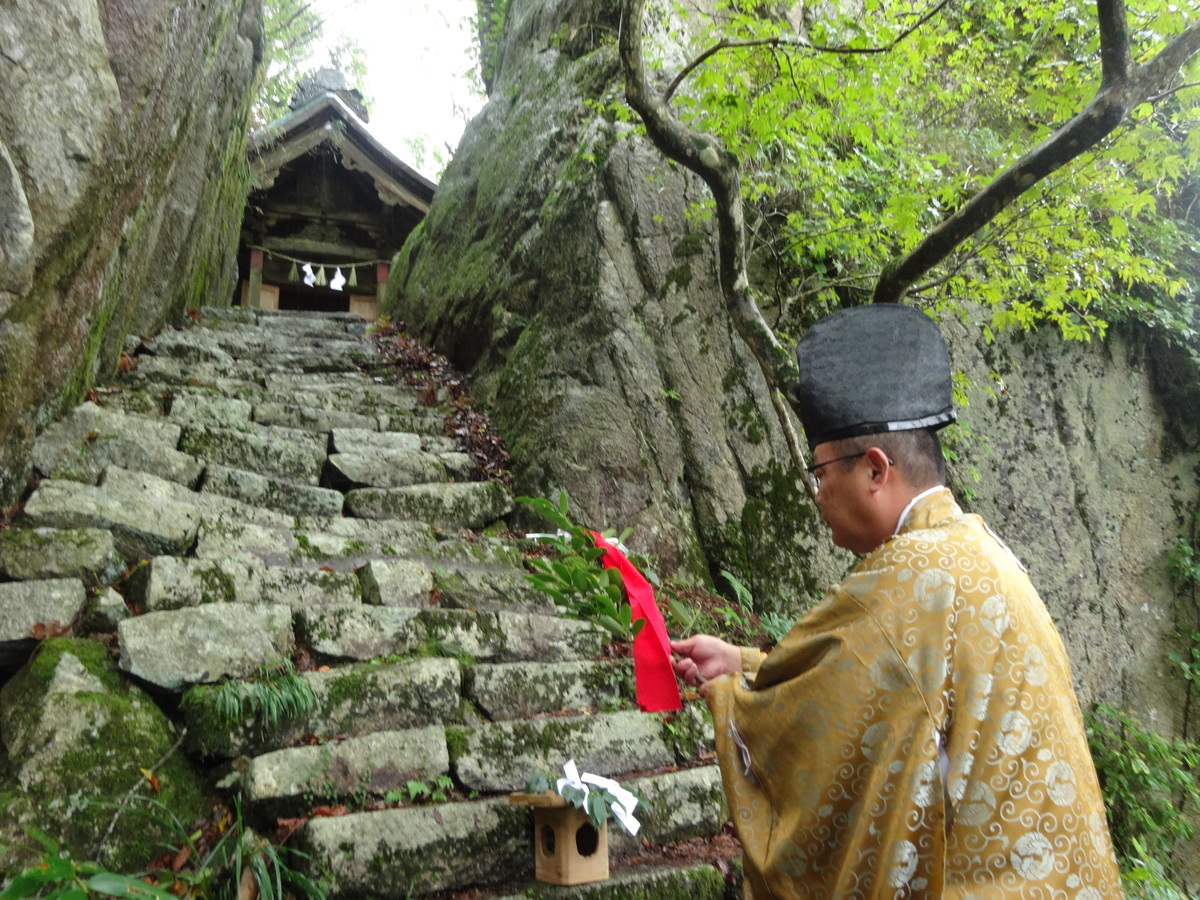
point(77, 741)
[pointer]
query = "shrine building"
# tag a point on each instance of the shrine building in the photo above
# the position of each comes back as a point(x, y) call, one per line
point(329, 208)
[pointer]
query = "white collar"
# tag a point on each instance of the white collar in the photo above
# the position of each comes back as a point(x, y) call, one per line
point(912, 503)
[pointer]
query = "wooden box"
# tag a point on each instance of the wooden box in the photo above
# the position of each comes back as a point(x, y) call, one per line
point(567, 848)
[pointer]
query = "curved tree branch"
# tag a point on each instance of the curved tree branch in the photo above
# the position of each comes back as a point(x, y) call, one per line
point(705, 156)
point(1120, 91)
point(796, 41)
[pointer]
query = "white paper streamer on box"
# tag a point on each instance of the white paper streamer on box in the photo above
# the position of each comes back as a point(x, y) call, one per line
point(624, 803)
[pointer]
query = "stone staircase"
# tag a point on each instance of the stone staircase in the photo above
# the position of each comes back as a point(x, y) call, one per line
point(285, 504)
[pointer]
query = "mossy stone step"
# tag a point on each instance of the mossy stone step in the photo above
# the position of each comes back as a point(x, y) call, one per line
point(173, 650)
point(499, 756)
point(202, 407)
point(397, 582)
point(524, 689)
point(89, 554)
point(286, 453)
point(24, 605)
point(411, 582)
point(169, 582)
point(467, 586)
point(142, 523)
point(271, 493)
point(416, 851)
point(310, 418)
point(383, 469)
point(90, 438)
point(314, 544)
point(448, 506)
point(357, 632)
point(351, 700)
point(171, 373)
point(368, 767)
point(360, 440)
point(352, 393)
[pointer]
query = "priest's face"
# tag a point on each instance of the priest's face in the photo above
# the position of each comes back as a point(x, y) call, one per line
point(843, 498)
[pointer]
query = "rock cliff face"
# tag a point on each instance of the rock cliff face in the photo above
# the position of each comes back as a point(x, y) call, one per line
point(557, 263)
point(122, 176)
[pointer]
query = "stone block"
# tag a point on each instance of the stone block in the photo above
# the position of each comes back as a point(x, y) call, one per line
point(190, 345)
point(361, 632)
point(310, 418)
point(52, 604)
point(538, 638)
point(525, 689)
point(421, 850)
point(168, 582)
point(372, 765)
point(271, 493)
point(500, 755)
point(396, 583)
point(90, 554)
point(89, 439)
point(479, 587)
point(424, 422)
point(204, 644)
point(108, 612)
point(383, 468)
point(683, 804)
point(345, 547)
point(361, 699)
point(200, 408)
point(145, 523)
point(280, 453)
point(360, 440)
point(448, 506)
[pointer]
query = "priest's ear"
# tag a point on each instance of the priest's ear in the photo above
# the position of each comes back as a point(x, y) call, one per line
point(881, 467)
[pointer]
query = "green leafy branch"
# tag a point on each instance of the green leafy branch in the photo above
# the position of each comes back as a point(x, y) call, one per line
point(574, 577)
point(595, 803)
point(69, 879)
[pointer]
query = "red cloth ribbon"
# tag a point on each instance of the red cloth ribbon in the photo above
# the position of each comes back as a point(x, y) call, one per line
point(657, 690)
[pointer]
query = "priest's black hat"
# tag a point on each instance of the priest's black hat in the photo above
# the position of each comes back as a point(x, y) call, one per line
point(871, 369)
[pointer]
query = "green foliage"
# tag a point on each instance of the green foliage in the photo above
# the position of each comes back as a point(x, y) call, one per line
point(775, 625)
point(210, 871)
point(489, 25)
point(219, 867)
point(740, 591)
point(1145, 878)
point(1148, 781)
point(596, 802)
point(853, 156)
point(68, 879)
point(292, 34)
point(1182, 563)
point(574, 579)
point(273, 696)
point(436, 791)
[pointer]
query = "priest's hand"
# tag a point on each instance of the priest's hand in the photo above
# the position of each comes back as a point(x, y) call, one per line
point(700, 658)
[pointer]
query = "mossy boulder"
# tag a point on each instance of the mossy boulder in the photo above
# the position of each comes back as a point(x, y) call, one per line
point(78, 741)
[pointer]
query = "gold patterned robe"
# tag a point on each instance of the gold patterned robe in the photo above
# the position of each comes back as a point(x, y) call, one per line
point(829, 745)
